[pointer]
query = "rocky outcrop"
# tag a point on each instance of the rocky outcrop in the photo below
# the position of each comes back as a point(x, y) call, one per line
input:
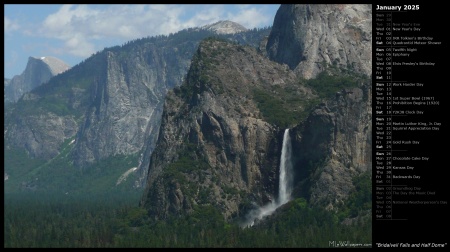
point(41, 135)
point(37, 71)
point(334, 145)
point(225, 27)
point(310, 37)
point(214, 147)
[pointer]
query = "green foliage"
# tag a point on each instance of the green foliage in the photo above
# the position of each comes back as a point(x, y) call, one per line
point(215, 38)
point(360, 199)
point(230, 190)
point(195, 79)
point(185, 91)
point(300, 225)
point(327, 85)
point(135, 216)
point(300, 203)
point(43, 105)
point(55, 105)
point(188, 164)
point(60, 175)
point(56, 220)
point(109, 220)
point(17, 165)
point(283, 106)
point(104, 174)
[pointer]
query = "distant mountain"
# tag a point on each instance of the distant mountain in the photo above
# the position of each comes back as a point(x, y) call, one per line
point(55, 65)
point(225, 27)
point(38, 71)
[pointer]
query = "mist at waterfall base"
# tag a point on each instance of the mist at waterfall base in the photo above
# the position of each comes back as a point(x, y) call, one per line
point(284, 189)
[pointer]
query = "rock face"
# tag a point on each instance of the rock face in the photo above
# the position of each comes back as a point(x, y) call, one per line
point(307, 37)
point(335, 145)
point(214, 147)
point(37, 71)
point(42, 134)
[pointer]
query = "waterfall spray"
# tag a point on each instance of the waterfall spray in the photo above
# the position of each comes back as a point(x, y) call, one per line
point(285, 184)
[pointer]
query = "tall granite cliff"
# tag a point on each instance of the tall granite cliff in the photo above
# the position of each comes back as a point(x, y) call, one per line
point(126, 100)
point(37, 71)
point(307, 37)
point(334, 145)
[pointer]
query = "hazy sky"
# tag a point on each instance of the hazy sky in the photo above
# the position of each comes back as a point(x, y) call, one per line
point(73, 32)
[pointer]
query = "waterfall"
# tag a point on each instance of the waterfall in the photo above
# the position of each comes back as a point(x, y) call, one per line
point(284, 188)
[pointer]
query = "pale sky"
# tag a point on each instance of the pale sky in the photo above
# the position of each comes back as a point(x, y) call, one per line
point(74, 32)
